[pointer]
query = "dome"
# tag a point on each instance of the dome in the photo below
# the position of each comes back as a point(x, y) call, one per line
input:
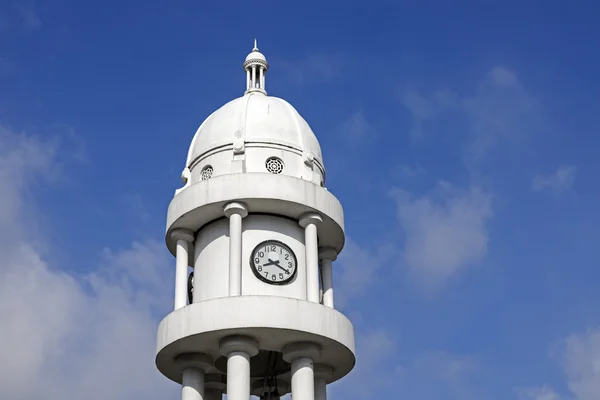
point(255, 119)
point(254, 133)
point(256, 55)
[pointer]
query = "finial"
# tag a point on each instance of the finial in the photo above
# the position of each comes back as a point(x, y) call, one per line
point(255, 47)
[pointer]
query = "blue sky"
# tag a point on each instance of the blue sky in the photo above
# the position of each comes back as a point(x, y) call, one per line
point(461, 139)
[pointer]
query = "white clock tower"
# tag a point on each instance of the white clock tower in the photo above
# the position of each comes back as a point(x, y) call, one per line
point(260, 231)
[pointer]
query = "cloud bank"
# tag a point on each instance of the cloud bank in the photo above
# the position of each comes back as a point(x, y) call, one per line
point(66, 335)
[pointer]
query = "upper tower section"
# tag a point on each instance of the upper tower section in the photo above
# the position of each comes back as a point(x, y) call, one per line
point(256, 67)
point(255, 133)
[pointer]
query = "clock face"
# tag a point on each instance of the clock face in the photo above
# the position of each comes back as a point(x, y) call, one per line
point(274, 262)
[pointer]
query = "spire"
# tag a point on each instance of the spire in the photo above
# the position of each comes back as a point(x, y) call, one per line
point(256, 67)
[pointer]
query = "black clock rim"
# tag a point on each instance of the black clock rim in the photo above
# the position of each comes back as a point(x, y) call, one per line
point(262, 278)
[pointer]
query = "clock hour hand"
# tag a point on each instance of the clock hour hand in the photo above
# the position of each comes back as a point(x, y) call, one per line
point(271, 262)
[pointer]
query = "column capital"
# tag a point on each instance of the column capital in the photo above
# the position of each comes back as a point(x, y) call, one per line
point(297, 350)
point(327, 253)
point(323, 371)
point(246, 344)
point(310, 218)
point(183, 234)
point(235, 207)
point(200, 361)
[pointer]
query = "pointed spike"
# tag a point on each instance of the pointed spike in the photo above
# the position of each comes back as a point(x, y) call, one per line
point(255, 47)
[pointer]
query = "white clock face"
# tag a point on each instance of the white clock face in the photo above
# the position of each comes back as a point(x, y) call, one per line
point(274, 262)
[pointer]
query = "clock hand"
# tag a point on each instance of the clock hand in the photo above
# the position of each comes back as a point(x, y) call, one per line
point(271, 262)
point(276, 263)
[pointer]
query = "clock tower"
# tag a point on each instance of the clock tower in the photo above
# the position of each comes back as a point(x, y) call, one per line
point(254, 232)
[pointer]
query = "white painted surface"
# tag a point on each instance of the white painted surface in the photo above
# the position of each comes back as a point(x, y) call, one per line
point(310, 223)
point(211, 263)
point(327, 255)
point(320, 389)
point(238, 376)
point(257, 119)
point(303, 380)
point(203, 202)
point(326, 270)
point(181, 274)
point(192, 384)
point(232, 146)
point(273, 321)
point(235, 255)
point(235, 211)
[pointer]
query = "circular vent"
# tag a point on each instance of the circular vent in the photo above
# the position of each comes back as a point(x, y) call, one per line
point(206, 172)
point(274, 165)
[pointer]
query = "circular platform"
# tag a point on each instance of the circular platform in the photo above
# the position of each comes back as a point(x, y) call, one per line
point(272, 321)
point(263, 193)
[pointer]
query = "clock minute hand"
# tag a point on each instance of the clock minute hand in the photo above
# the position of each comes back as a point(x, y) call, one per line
point(276, 263)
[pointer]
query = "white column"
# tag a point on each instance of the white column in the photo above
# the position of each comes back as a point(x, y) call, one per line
point(303, 384)
point(320, 389)
point(238, 350)
point(192, 384)
point(323, 373)
point(253, 76)
point(302, 356)
point(235, 212)
point(327, 255)
point(261, 73)
point(310, 223)
point(193, 367)
point(184, 238)
point(247, 79)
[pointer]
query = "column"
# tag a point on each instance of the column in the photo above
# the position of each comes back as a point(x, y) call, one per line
point(193, 367)
point(323, 373)
point(301, 356)
point(310, 222)
point(261, 74)
point(253, 76)
point(327, 255)
point(185, 239)
point(247, 79)
point(238, 350)
point(235, 212)
point(320, 389)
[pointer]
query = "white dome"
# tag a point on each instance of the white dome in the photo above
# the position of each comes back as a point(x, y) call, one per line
point(256, 55)
point(255, 133)
point(255, 119)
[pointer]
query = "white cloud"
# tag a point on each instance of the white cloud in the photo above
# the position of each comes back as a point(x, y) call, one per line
point(537, 393)
point(318, 67)
point(499, 112)
point(579, 356)
point(425, 108)
point(562, 179)
point(357, 271)
point(65, 335)
point(407, 172)
point(582, 364)
point(453, 370)
point(445, 231)
point(374, 351)
point(354, 128)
